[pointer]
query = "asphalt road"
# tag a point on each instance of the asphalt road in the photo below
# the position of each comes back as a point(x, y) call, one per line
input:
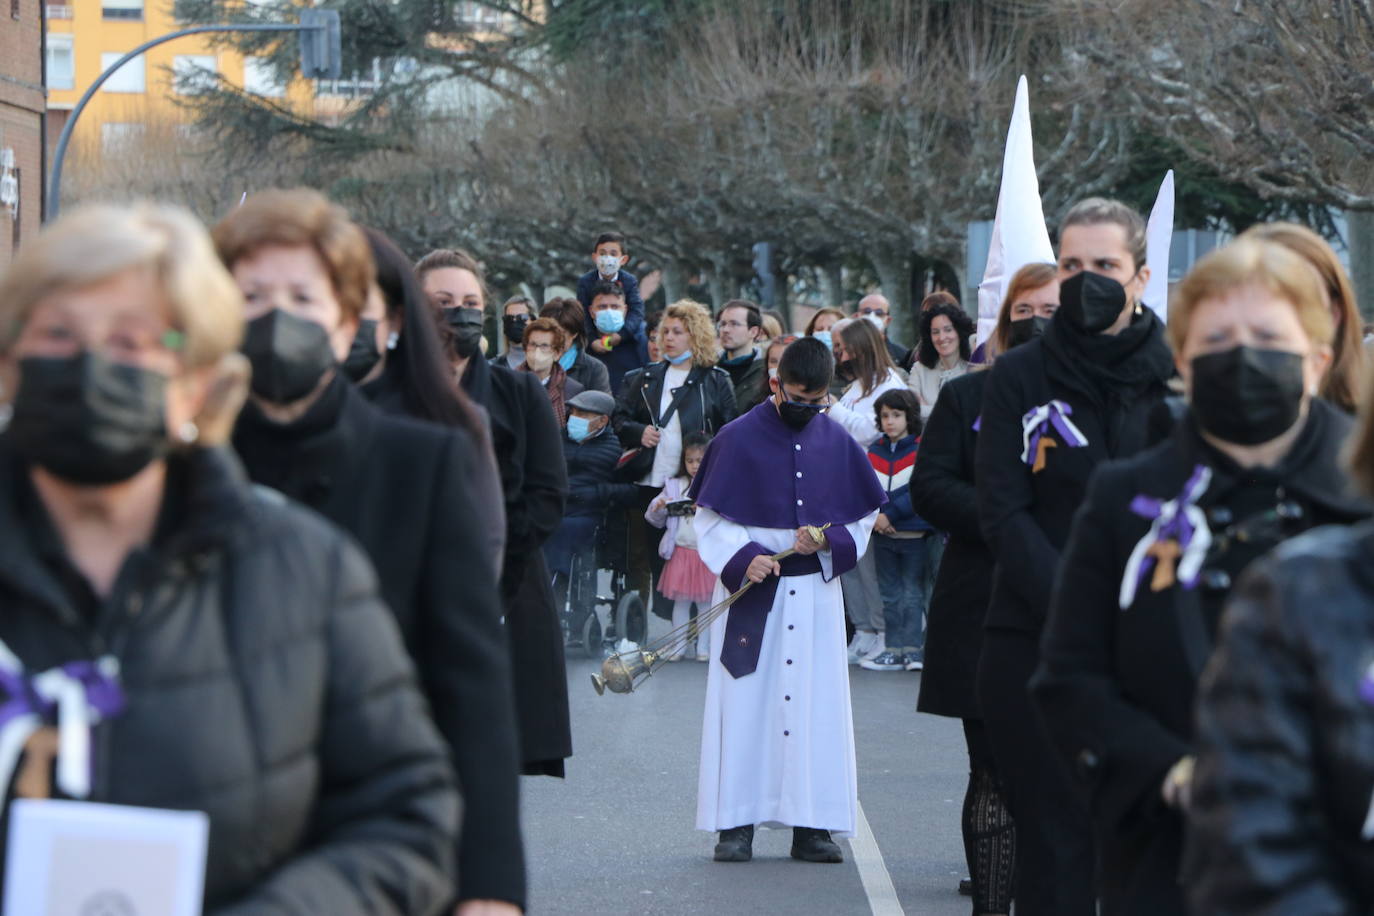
point(617, 835)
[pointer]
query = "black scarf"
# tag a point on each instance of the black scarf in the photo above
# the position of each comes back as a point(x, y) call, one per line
point(1109, 369)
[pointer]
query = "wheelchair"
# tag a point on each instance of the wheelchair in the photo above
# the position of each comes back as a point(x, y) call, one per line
point(592, 621)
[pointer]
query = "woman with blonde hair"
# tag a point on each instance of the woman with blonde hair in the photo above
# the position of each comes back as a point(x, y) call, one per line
point(229, 652)
point(1160, 540)
point(406, 490)
point(659, 404)
point(1344, 382)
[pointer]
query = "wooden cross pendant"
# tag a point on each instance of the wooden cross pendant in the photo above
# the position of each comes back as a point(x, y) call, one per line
point(1041, 447)
point(1166, 554)
point(35, 773)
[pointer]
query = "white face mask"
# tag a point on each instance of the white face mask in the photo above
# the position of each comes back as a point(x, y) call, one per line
point(877, 322)
point(608, 265)
point(773, 373)
point(539, 360)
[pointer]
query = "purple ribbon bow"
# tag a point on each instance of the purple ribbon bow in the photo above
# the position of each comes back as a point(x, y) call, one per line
point(1038, 422)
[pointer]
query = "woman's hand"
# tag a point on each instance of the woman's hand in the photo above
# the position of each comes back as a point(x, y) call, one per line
point(761, 567)
point(650, 437)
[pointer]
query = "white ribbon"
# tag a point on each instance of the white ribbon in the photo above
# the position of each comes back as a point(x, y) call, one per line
point(1368, 832)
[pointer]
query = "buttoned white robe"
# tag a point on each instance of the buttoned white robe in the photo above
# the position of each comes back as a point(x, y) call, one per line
point(777, 746)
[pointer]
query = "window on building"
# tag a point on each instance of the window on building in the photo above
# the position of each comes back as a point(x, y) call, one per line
point(260, 78)
point(118, 139)
point(121, 9)
point(128, 78)
point(61, 61)
point(193, 74)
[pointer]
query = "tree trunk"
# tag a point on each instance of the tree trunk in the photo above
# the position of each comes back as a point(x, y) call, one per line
point(832, 284)
point(894, 273)
point(675, 275)
point(1360, 242)
point(782, 303)
point(719, 282)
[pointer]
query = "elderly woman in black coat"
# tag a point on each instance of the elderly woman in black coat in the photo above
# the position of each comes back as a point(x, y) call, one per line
point(230, 651)
point(526, 437)
point(1053, 409)
point(403, 488)
point(1162, 536)
point(943, 492)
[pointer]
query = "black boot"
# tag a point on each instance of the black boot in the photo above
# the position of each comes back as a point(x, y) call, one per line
point(736, 844)
point(812, 845)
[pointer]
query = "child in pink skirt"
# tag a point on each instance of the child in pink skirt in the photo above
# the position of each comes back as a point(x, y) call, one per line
point(685, 579)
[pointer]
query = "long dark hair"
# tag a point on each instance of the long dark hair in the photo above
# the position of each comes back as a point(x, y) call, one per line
point(418, 366)
point(869, 361)
point(692, 440)
point(963, 326)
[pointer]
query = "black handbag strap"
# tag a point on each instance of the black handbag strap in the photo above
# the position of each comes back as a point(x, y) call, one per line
point(673, 406)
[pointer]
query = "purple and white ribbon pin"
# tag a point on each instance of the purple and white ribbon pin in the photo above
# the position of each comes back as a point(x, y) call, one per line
point(1179, 520)
point(1036, 425)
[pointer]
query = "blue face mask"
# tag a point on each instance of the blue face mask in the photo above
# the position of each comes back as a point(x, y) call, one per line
point(579, 428)
point(568, 358)
point(824, 337)
point(609, 321)
point(680, 358)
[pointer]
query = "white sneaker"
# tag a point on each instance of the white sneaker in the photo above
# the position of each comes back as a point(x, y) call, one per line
point(877, 647)
point(862, 645)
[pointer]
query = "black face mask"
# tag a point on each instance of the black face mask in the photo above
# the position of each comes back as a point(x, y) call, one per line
point(466, 325)
point(514, 326)
point(363, 355)
point(1091, 302)
point(88, 420)
point(1024, 330)
point(1247, 395)
point(289, 356)
point(797, 415)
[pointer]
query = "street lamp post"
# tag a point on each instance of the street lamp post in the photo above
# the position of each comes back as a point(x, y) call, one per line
point(319, 59)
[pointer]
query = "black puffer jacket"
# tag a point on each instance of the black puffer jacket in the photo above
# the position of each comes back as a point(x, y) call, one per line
point(267, 686)
point(591, 472)
point(1285, 732)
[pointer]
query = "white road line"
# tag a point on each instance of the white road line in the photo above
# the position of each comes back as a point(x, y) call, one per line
point(882, 895)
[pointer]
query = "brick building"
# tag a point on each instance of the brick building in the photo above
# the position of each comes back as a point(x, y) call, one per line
point(22, 104)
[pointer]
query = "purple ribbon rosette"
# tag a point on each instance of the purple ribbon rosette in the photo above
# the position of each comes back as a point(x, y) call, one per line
point(1176, 544)
point(75, 695)
point(1035, 430)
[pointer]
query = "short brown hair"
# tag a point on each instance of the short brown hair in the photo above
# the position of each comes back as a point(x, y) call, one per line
point(1250, 262)
point(548, 326)
point(302, 217)
point(1029, 277)
point(1344, 382)
point(570, 316)
point(1095, 211)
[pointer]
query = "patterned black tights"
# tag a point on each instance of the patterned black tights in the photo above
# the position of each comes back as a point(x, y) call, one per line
point(989, 834)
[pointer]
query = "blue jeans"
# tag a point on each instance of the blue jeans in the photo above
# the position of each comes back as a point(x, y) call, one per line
point(901, 579)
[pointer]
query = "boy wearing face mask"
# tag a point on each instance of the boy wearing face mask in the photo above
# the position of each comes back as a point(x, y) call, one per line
point(612, 337)
point(778, 740)
point(609, 256)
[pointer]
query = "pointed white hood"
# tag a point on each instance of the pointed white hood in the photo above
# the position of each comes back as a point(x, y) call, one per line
point(1158, 236)
point(1019, 236)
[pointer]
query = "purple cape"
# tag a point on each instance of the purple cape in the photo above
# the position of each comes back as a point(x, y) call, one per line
point(762, 473)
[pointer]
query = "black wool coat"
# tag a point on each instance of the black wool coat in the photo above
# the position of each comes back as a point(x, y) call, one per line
point(1025, 516)
point(943, 493)
point(266, 685)
point(706, 407)
point(1117, 686)
point(1285, 771)
point(590, 372)
point(405, 490)
point(527, 441)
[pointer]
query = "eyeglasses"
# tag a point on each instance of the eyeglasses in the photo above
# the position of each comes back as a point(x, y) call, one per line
point(542, 348)
point(881, 313)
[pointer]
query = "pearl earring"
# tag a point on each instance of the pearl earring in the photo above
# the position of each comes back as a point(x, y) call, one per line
point(189, 432)
point(391, 339)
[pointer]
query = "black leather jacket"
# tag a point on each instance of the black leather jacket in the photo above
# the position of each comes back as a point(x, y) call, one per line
point(1285, 734)
point(706, 408)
